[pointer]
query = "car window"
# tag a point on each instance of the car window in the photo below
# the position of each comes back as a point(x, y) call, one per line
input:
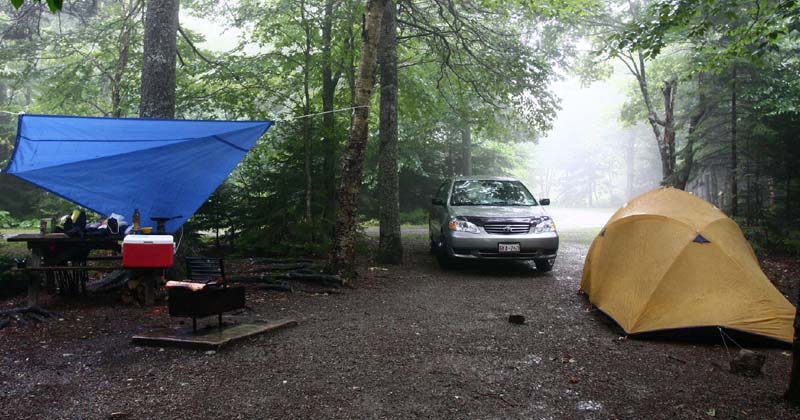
point(490, 193)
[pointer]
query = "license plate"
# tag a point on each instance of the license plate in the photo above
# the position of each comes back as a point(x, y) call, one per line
point(508, 247)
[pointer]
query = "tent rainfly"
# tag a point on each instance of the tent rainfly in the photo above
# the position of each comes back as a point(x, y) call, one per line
point(668, 260)
point(163, 168)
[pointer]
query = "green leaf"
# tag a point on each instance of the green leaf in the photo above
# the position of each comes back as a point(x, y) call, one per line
point(17, 3)
point(55, 5)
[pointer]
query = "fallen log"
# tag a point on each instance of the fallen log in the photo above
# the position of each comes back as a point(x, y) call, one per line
point(331, 278)
point(111, 281)
point(20, 320)
point(38, 318)
point(326, 280)
point(29, 309)
point(266, 260)
point(281, 287)
point(278, 267)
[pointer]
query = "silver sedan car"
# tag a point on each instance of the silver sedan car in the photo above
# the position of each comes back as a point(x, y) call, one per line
point(491, 218)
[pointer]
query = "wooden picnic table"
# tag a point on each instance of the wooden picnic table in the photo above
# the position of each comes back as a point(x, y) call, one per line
point(62, 257)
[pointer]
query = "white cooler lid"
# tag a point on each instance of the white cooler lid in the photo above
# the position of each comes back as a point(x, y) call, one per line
point(148, 239)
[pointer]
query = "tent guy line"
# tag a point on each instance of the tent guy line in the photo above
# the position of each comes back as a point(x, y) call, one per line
point(352, 108)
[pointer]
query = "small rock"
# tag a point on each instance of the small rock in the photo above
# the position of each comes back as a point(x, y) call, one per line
point(211, 352)
point(589, 405)
point(118, 415)
point(748, 363)
point(516, 319)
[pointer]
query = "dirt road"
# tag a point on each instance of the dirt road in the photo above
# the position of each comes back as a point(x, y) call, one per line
point(409, 342)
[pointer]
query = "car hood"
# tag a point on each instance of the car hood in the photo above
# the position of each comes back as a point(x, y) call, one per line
point(498, 213)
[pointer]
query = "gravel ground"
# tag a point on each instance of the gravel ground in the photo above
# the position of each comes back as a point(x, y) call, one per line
point(409, 342)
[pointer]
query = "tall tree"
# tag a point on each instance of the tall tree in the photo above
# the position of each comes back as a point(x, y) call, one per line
point(343, 255)
point(390, 247)
point(329, 137)
point(307, 134)
point(636, 61)
point(158, 67)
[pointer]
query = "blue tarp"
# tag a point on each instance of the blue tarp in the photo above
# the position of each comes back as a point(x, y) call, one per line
point(164, 168)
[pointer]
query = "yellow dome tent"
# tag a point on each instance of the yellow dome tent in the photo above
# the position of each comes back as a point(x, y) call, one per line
point(669, 260)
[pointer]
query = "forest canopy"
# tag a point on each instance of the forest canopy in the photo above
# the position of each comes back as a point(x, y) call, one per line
point(713, 87)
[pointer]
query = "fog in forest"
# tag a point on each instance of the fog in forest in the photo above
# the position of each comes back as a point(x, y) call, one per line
point(590, 158)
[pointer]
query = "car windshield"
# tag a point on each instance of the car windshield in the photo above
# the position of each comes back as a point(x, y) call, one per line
point(490, 193)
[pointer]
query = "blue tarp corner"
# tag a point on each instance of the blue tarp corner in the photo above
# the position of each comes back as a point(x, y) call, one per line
point(163, 168)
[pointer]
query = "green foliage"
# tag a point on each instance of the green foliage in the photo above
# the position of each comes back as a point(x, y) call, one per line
point(54, 5)
point(414, 217)
point(9, 222)
point(6, 221)
point(745, 30)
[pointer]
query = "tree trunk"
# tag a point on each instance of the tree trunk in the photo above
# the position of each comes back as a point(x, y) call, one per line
point(793, 394)
point(158, 66)
point(665, 139)
point(682, 176)
point(466, 149)
point(307, 134)
point(329, 141)
point(343, 256)
point(667, 146)
point(351, 64)
point(734, 152)
point(122, 59)
point(450, 166)
point(630, 166)
point(390, 247)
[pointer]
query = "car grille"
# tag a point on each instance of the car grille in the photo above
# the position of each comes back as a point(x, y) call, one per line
point(507, 229)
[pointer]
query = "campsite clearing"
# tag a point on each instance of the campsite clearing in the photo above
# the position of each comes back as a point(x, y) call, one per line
point(408, 342)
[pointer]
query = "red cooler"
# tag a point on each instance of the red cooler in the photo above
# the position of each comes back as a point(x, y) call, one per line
point(147, 251)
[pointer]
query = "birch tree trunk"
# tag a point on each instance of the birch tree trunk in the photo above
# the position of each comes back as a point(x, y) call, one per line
point(342, 260)
point(158, 66)
point(390, 247)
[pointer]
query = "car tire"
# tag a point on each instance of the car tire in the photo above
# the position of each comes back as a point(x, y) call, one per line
point(444, 260)
point(544, 265)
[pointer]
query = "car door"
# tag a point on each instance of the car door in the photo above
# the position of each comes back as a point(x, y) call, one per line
point(438, 212)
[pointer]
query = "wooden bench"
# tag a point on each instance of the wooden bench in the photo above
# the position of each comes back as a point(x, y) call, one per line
point(214, 298)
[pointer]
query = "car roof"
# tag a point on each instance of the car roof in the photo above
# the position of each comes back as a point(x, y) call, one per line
point(484, 178)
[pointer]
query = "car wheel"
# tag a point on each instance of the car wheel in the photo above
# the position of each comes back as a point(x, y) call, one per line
point(544, 265)
point(444, 260)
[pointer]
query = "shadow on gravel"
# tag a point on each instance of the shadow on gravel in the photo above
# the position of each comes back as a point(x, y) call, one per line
point(504, 269)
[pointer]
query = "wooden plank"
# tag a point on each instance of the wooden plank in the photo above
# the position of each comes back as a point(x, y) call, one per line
point(70, 268)
point(208, 339)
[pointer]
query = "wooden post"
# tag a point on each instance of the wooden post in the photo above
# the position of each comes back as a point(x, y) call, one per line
point(34, 282)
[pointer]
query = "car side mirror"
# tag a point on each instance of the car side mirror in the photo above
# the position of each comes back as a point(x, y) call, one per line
point(544, 202)
point(437, 202)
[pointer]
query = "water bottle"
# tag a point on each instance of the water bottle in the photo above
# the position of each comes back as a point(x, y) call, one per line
point(136, 220)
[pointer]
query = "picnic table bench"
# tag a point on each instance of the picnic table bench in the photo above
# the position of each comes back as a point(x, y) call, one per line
point(63, 260)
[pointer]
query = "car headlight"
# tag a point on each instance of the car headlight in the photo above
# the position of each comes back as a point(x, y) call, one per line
point(458, 225)
point(545, 225)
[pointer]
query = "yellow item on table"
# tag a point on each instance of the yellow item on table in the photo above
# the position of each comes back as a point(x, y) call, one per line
point(147, 230)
